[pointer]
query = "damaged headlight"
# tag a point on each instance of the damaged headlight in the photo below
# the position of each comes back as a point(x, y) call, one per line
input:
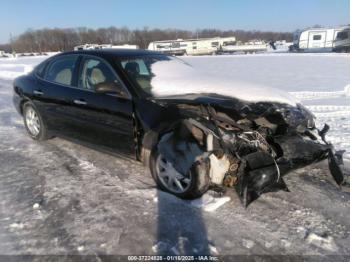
point(309, 116)
point(300, 118)
point(311, 123)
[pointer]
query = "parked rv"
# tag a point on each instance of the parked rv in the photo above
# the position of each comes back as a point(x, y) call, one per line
point(200, 46)
point(248, 47)
point(104, 46)
point(322, 40)
point(85, 47)
point(342, 41)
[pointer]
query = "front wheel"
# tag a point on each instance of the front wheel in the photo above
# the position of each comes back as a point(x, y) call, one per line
point(190, 186)
point(34, 123)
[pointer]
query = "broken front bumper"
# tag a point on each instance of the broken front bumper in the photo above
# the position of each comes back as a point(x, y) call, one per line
point(265, 175)
point(244, 159)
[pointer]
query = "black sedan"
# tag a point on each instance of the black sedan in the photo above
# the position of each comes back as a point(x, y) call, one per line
point(191, 140)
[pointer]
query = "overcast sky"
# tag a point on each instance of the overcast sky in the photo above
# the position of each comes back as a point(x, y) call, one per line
point(277, 15)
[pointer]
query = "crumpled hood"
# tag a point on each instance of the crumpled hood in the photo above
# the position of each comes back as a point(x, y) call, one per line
point(278, 113)
point(175, 79)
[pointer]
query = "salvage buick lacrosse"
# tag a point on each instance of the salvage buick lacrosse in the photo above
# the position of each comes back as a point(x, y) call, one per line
point(192, 129)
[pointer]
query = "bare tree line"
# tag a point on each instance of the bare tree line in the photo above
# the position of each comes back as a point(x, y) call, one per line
point(45, 40)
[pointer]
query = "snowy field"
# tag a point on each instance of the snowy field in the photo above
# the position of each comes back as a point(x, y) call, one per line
point(63, 197)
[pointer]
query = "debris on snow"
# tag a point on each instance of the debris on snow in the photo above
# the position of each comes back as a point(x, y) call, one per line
point(324, 242)
point(209, 203)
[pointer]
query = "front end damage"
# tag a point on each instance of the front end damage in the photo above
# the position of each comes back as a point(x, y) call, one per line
point(249, 148)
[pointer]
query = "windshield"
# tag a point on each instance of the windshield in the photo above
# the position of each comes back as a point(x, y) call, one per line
point(142, 71)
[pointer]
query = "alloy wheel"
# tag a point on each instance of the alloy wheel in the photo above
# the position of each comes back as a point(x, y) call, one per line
point(170, 178)
point(32, 121)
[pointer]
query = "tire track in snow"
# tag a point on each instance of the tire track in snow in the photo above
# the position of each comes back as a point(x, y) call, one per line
point(312, 95)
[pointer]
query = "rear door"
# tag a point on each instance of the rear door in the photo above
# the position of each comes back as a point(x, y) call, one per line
point(317, 39)
point(53, 91)
point(104, 118)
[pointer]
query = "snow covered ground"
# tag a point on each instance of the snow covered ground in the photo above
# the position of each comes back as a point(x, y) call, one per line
point(64, 197)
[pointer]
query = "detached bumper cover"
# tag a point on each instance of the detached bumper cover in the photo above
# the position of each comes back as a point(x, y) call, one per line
point(297, 153)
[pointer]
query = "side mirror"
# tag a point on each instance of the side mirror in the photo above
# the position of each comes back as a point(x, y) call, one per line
point(110, 87)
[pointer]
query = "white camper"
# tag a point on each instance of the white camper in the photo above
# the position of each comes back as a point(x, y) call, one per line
point(104, 46)
point(126, 46)
point(323, 39)
point(201, 46)
point(252, 46)
point(85, 47)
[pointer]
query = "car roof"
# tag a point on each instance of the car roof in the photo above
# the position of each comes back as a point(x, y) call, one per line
point(115, 52)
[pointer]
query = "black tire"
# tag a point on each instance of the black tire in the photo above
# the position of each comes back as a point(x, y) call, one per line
point(199, 184)
point(43, 132)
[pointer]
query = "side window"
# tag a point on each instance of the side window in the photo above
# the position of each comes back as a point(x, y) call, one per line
point(229, 43)
point(317, 37)
point(342, 35)
point(39, 69)
point(94, 72)
point(175, 44)
point(139, 72)
point(61, 70)
point(137, 65)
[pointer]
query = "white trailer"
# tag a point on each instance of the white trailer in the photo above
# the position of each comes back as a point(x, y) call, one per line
point(104, 46)
point(248, 47)
point(201, 46)
point(342, 41)
point(126, 46)
point(85, 47)
point(322, 39)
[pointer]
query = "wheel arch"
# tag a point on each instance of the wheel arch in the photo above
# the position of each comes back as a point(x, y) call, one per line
point(150, 139)
point(22, 103)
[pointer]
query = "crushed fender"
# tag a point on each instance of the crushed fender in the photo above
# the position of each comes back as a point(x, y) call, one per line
point(249, 150)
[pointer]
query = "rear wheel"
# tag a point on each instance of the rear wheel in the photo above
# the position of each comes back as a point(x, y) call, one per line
point(192, 185)
point(34, 123)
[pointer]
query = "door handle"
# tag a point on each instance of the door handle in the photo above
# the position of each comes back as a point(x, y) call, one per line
point(80, 102)
point(38, 92)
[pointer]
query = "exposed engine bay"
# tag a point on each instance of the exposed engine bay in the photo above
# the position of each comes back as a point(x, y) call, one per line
point(249, 148)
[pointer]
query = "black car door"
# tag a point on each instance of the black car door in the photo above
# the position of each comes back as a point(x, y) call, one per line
point(102, 107)
point(53, 90)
